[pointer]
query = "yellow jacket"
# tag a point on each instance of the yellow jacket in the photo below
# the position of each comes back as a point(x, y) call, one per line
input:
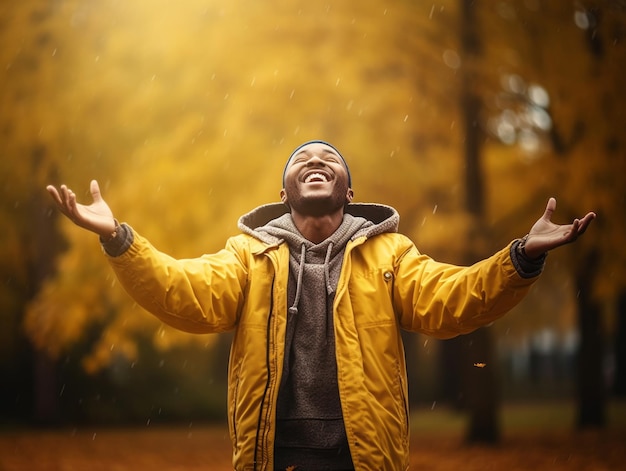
point(385, 285)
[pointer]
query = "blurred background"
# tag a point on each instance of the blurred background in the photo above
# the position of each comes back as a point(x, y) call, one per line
point(465, 116)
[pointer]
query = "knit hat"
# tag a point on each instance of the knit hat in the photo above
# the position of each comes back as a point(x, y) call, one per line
point(317, 141)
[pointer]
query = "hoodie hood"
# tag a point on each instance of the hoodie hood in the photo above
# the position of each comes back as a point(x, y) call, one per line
point(382, 218)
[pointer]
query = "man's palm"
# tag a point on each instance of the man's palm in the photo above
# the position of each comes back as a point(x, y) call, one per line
point(545, 235)
point(96, 217)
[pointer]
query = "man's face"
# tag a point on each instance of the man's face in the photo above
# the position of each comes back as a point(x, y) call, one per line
point(316, 181)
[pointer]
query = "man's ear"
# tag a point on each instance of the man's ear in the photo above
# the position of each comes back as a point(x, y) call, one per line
point(349, 195)
point(283, 198)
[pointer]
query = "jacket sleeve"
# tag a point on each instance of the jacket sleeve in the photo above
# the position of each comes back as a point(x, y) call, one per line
point(200, 295)
point(444, 300)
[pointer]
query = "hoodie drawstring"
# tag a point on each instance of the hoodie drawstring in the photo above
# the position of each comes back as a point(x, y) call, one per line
point(294, 308)
point(329, 288)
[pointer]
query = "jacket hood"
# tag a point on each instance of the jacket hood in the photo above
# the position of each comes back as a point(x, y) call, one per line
point(383, 218)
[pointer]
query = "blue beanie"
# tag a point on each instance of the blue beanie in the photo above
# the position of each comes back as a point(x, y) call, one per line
point(318, 141)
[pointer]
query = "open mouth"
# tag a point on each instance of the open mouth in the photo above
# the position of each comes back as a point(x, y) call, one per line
point(316, 177)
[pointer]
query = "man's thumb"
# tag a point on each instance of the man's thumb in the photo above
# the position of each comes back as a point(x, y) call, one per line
point(550, 207)
point(95, 191)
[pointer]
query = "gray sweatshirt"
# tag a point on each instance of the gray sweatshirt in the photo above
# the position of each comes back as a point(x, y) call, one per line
point(310, 431)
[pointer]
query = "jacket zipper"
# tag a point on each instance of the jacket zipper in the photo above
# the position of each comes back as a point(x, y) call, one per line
point(235, 399)
point(259, 440)
point(403, 397)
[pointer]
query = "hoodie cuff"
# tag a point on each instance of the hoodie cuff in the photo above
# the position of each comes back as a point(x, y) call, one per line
point(120, 243)
point(526, 267)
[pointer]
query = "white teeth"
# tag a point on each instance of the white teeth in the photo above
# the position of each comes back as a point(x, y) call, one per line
point(316, 176)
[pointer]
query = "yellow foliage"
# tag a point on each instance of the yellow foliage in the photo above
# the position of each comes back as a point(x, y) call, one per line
point(186, 112)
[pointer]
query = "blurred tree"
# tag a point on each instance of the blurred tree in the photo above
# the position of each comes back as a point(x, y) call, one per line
point(553, 111)
point(619, 386)
point(561, 110)
point(478, 384)
point(30, 241)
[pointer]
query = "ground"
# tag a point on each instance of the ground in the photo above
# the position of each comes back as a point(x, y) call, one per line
point(547, 442)
point(208, 448)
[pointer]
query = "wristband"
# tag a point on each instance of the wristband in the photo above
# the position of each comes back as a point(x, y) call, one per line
point(521, 246)
point(113, 234)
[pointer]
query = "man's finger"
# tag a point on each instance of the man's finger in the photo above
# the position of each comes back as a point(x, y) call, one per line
point(550, 207)
point(65, 196)
point(71, 201)
point(584, 222)
point(55, 194)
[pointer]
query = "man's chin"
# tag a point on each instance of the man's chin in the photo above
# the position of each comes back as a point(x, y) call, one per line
point(317, 208)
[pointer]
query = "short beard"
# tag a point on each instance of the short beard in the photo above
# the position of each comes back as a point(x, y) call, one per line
point(318, 207)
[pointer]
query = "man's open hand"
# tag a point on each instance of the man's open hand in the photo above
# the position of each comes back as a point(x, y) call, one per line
point(97, 217)
point(545, 235)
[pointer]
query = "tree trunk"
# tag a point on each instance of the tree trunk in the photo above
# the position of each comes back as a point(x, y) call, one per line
point(46, 408)
point(45, 243)
point(479, 386)
point(619, 381)
point(479, 376)
point(591, 382)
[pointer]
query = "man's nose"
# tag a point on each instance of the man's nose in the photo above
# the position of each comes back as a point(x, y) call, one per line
point(314, 159)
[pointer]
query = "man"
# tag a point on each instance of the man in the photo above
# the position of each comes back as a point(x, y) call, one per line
point(317, 290)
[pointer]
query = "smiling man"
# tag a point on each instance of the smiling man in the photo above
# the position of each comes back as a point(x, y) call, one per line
point(317, 188)
point(317, 290)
